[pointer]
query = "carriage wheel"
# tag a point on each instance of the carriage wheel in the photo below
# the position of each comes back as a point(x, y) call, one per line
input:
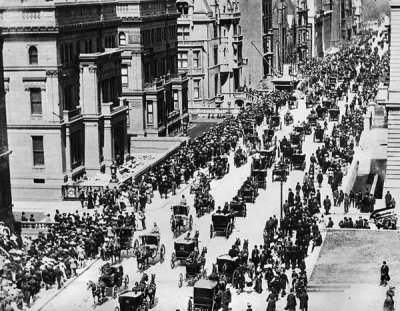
point(116, 309)
point(227, 233)
point(180, 280)
point(173, 258)
point(211, 231)
point(114, 291)
point(136, 245)
point(190, 307)
point(190, 222)
point(162, 253)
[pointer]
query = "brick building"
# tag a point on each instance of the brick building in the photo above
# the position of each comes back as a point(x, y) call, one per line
point(63, 87)
point(6, 215)
point(154, 91)
point(210, 52)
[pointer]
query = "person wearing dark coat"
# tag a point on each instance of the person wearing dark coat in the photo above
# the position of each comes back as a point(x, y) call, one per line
point(291, 301)
point(283, 281)
point(271, 304)
point(384, 274)
point(303, 299)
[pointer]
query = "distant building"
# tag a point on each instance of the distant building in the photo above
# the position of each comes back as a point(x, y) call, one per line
point(210, 53)
point(303, 36)
point(157, 95)
point(63, 88)
point(6, 215)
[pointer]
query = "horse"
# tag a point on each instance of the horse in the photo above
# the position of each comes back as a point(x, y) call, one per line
point(143, 282)
point(142, 258)
point(98, 290)
point(202, 257)
point(150, 290)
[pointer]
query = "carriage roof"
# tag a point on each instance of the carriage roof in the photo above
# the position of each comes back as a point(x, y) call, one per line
point(132, 294)
point(298, 157)
point(221, 217)
point(180, 210)
point(150, 239)
point(226, 257)
point(205, 284)
point(184, 241)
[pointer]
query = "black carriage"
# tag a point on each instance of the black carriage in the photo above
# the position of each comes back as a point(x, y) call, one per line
point(334, 114)
point(240, 158)
point(221, 166)
point(204, 203)
point(248, 194)
point(280, 172)
point(221, 223)
point(292, 102)
point(148, 247)
point(113, 278)
point(268, 156)
point(260, 177)
point(180, 218)
point(204, 298)
point(275, 122)
point(227, 265)
point(312, 119)
point(321, 112)
point(200, 184)
point(288, 119)
point(182, 249)
point(296, 141)
point(238, 208)
point(130, 301)
point(319, 134)
point(268, 138)
point(125, 237)
point(299, 161)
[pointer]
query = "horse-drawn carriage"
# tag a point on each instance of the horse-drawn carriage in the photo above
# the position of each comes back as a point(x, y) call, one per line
point(288, 118)
point(221, 166)
point(240, 157)
point(148, 247)
point(182, 249)
point(260, 177)
point(299, 161)
point(200, 184)
point(205, 293)
point(268, 138)
point(275, 122)
point(113, 279)
point(227, 265)
point(238, 208)
point(334, 114)
point(203, 203)
point(180, 218)
point(292, 102)
point(131, 301)
point(194, 266)
point(221, 223)
point(312, 119)
point(319, 134)
point(296, 141)
point(248, 193)
point(268, 156)
point(280, 172)
point(321, 112)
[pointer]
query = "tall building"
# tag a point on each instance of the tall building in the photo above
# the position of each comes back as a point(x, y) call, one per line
point(63, 86)
point(303, 38)
point(6, 215)
point(210, 52)
point(154, 91)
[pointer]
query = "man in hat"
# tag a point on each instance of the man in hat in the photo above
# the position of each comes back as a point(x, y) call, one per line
point(291, 301)
point(384, 274)
point(249, 307)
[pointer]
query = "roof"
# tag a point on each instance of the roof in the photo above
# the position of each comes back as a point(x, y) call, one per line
point(183, 241)
point(208, 284)
point(131, 294)
point(227, 257)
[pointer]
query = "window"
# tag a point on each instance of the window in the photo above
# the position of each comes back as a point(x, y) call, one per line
point(36, 100)
point(215, 28)
point(183, 32)
point(76, 149)
point(33, 55)
point(122, 38)
point(196, 88)
point(216, 84)
point(150, 111)
point(38, 151)
point(182, 60)
point(78, 47)
point(176, 100)
point(196, 59)
point(216, 55)
point(69, 97)
point(88, 46)
point(124, 74)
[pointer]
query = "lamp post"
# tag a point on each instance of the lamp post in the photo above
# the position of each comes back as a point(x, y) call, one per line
point(113, 169)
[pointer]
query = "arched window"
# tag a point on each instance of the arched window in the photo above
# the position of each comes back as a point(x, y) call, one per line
point(122, 38)
point(33, 55)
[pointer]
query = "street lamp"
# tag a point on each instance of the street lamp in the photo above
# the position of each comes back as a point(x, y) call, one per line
point(113, 169)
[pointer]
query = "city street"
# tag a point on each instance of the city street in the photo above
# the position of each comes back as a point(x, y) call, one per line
point(169, 296)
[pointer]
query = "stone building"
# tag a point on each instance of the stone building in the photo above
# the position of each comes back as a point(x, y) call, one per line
point(156, 94)
point(303, 38)
point(210, 53)
point(6, 215)
point(62, 78)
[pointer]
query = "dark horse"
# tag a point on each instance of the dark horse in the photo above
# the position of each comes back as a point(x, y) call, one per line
point(98, 290)
point(150, 291)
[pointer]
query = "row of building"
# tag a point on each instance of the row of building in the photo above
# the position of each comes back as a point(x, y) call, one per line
point(82, 77)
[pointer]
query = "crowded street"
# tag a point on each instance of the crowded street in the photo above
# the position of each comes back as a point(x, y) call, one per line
point(286, 162)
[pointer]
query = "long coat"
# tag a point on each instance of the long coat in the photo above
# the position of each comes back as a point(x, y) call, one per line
point(303, 298)
point(291, 301)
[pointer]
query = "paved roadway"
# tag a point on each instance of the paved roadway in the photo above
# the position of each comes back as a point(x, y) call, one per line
point(169, 296)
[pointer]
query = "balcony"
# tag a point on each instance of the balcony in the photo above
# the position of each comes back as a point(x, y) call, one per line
point(178, 77)
point(229, 16)
point(173, 116)
point(111, 110)
point(155, 85)
point(72, 115)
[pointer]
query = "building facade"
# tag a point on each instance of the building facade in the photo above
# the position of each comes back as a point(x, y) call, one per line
point(156, 94)
point(303, 32)
point(63, 88)
point(6, 215)
point(209, 52)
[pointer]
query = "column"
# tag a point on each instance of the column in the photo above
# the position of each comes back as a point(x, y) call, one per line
point(92, 146)
point(68, 167)
point(108, 143)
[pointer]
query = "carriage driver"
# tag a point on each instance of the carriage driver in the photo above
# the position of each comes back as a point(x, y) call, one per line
point(155, 229)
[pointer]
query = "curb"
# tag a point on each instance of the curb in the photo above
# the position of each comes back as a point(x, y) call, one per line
point(65, 286)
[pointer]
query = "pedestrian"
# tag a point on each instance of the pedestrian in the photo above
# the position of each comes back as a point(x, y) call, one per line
point(320, 178)
point(82, 198)
point(255, 256)
point(384, 274)
point(142, 218)
point(249, 307)
point(330, 223)
point(388, 199)
point(291, 301)
point(283, 281)
point(271, 304)
point(327, 205)
point(303, 299)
